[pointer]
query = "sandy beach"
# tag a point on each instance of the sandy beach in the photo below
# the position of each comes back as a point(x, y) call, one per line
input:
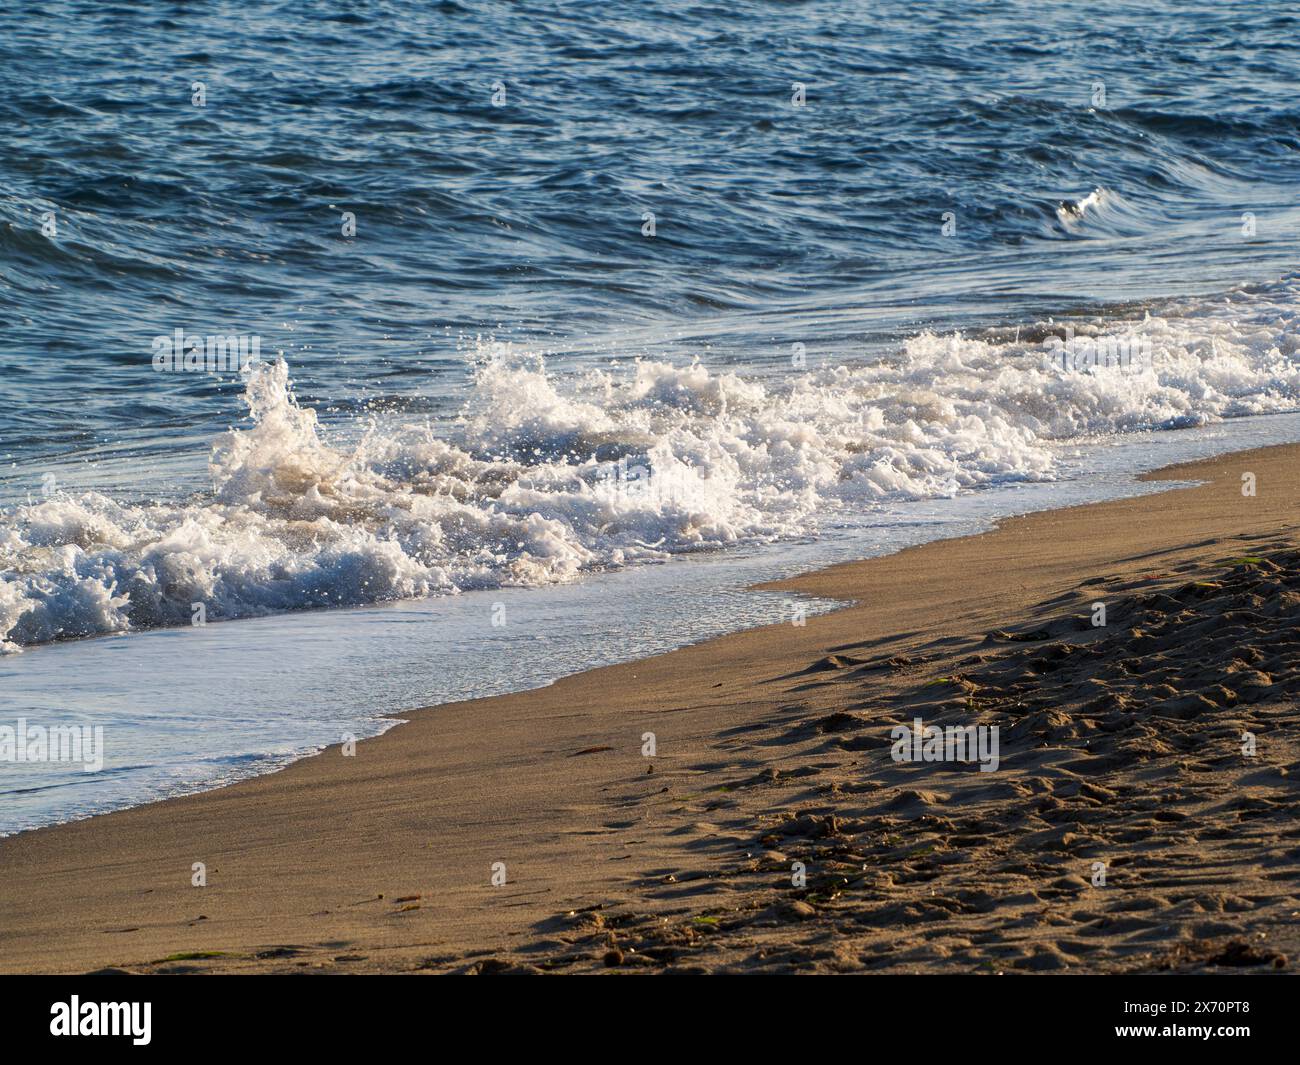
point(1121, 747)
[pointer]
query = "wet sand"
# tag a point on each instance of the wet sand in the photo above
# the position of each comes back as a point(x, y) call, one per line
point(1124, 829)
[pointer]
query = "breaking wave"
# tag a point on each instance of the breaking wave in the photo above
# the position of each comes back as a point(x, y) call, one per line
point(546, 478)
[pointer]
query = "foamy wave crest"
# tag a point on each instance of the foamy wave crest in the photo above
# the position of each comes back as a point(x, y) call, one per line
point(1104, 212)
point(549, 478)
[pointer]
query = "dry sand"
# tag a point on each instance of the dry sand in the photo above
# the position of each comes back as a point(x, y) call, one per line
point(1119, 745)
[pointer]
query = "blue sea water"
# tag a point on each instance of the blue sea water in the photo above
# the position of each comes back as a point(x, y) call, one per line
point(754, 285)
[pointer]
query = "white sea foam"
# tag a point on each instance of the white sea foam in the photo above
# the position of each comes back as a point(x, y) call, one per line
point(1103, 211)
point(522, 494)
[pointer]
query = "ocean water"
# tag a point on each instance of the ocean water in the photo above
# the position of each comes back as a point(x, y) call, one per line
point(573, 321)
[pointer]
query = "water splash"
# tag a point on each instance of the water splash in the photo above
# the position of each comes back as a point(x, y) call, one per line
point(547, 477)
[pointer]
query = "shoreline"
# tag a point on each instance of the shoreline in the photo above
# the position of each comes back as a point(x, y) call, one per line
point(639, 607)
point(384, 861)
